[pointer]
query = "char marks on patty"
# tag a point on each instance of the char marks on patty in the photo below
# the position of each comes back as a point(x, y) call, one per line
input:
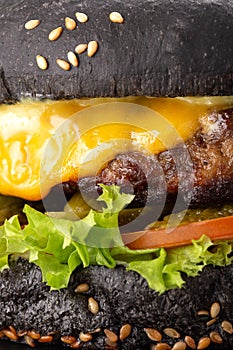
point(209, 153)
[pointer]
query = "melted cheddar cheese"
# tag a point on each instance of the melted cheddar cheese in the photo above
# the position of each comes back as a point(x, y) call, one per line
point(45, 143)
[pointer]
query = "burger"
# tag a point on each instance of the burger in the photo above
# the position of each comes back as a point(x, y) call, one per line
point(116, 124)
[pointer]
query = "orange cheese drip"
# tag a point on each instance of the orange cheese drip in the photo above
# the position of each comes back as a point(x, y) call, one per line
point(42, 143)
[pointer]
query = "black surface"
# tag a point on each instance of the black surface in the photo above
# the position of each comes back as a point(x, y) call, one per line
point(123, 297)
point(164, 47)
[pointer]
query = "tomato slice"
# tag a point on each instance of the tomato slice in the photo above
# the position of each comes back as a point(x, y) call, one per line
point(215, 229)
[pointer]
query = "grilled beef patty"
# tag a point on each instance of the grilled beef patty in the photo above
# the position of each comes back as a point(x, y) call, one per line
point(208, 155)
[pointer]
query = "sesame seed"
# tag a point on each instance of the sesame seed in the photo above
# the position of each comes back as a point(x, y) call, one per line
point(29, 341)
point(190, 342)
point(92, 48)
point(215, 309)
point(153, 334)
point(170, 332)
point(55, 33)
point(33, 335)
point(97, 330)
point(32, 24)
point(211, 322)
point(93, 306)
point(116, 17)
point(63, 64)
point(46, 339)
point(111, 335)
point(21, 333)
point(180, 345)
point(67, 339)
point(9, 334)
point(83, 287)
point(227, 327)
point(81, 17)
point(203, 343)
point(75, 345)
point(85, 337)
point(80, 48)
point(13, 330)
point(41, 62)
point(162, 346)
point(125, 331)
point(215, 337)
point(72, 58)
point(203, 313)
point(70, 23)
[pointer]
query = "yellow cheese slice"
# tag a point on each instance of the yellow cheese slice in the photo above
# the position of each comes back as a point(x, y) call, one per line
point(45, 142)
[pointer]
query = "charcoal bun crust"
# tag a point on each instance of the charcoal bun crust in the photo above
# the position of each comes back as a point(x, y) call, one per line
point(163, 48)
point(124, 298)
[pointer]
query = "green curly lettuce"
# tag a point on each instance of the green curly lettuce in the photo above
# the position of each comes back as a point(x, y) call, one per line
point(59, 246)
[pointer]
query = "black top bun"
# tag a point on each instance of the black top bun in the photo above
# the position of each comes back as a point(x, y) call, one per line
point(163, 48)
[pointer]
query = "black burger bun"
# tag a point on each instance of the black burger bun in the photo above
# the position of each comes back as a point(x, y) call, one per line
point(124, 298)
point(163, 48)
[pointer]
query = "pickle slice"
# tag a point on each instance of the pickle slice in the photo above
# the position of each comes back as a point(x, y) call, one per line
point(193, 215)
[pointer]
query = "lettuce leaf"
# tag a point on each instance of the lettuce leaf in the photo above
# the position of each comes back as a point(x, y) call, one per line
point(164, 272)
point(59, 246)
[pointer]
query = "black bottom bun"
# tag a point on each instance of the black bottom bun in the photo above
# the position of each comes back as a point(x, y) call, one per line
point(123, 298)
